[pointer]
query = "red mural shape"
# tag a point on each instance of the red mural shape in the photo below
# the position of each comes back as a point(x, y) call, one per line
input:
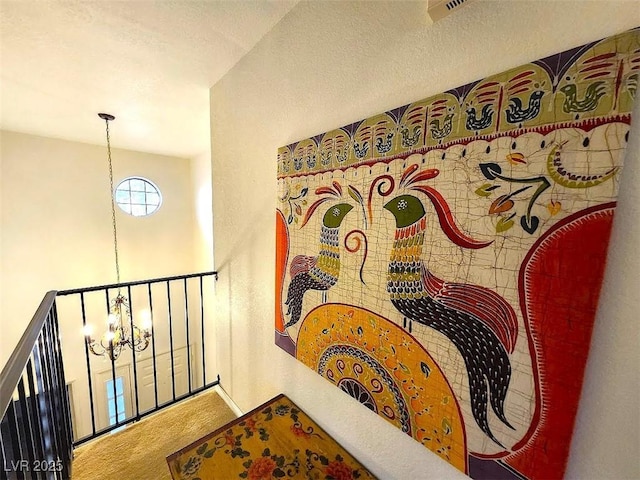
point(559, 284)
point(282, 255)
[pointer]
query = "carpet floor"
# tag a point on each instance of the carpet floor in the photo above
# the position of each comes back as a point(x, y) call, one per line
point(139, 451)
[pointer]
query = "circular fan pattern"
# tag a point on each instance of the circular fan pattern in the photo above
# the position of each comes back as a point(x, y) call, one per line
point(353, 367)
point(383, 367)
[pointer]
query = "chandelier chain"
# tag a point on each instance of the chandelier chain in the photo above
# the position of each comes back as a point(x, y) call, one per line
point(113, 206)
point(121, 331)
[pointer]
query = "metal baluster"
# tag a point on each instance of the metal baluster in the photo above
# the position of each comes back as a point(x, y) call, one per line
point(35, 414)
point(45, 423)
point(50, 387)
point(3, 457)
point(204, 366)
point(89, 378)
point(66, 408)
point(133, 353)
point(186, 314)
point(25, 423)
point(173, 374)
point(113, 363)
point(14, 438)
point(153, 347)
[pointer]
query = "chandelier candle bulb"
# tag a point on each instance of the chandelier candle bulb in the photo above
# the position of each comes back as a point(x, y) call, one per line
point(87, 330)
point(145, 323)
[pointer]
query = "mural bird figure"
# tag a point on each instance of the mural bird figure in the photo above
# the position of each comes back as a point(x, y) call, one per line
point(479, 322)
point(517, 114)
point(320, 272)
point(383, 146)
point(409, 140)
point(474, 123)
point(590, 101)
point(439, 132)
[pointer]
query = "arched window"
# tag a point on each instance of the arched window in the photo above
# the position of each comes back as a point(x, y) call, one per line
point(138, 196)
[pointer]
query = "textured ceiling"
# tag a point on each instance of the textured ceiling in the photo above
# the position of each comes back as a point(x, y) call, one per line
point(148, 63)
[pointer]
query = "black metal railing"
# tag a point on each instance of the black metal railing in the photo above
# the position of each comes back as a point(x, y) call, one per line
point(48, 407)
point(36, 429)
point(172, 368)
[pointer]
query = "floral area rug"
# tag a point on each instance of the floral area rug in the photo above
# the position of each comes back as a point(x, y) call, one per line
point(276, 440)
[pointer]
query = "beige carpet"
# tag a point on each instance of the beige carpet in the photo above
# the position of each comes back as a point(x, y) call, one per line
point(139, 451)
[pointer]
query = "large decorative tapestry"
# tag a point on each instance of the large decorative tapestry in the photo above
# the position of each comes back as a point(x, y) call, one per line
point(441, 262)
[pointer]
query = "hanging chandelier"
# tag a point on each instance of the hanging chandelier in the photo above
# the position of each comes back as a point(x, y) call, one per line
point(120, 331)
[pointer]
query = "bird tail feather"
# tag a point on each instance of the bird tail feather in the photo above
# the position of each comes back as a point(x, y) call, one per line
point(295, 294)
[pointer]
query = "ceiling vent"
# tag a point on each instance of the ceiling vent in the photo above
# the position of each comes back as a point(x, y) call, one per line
point(438, 9)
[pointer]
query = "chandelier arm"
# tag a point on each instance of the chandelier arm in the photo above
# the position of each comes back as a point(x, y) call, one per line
point(92, 344)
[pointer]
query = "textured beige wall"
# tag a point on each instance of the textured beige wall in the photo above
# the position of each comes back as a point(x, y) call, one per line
point(203, 220)
point(203, 254)
point(327, 64)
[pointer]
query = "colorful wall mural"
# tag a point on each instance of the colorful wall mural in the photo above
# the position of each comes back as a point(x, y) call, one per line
point(441, 262)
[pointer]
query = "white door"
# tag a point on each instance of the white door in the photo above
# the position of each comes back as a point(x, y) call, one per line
point(163, 378)
point(114, 403)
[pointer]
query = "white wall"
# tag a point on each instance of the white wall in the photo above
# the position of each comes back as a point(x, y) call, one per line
point(203, 254)
point(56, 223)
point(202, 200)
point(327, 64)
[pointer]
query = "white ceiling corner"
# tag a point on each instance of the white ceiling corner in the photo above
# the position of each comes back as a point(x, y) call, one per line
point(149, 63)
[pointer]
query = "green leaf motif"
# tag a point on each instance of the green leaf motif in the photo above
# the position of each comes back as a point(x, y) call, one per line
point(355, 194)
point(504, 224)
point(209, 453)
point(485, 190)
